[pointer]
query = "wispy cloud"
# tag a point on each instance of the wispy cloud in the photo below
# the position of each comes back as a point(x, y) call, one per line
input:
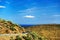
point(56, 15)
point(7, 2)
point(29, 10)
point(29, 16)
point(2, 6)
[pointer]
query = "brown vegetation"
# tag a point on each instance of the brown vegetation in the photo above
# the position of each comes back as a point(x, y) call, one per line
point(7, 27)
point(50, 31)
point(11, 31)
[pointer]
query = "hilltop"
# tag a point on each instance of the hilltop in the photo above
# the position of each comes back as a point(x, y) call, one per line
point(7, 27)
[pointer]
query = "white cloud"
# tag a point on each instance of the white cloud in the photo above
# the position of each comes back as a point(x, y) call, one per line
point(29, 16)
point(2, 6)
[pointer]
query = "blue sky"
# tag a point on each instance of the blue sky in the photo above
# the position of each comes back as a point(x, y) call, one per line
point(30, 11)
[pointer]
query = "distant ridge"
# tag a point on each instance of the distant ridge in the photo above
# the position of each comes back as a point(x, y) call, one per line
point(25, 25)
point(50, 31)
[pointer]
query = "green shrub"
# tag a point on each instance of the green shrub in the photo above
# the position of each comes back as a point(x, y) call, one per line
point(27, 38)
point(39, 38)
point(7, 31)
point(0, 27)
point(18, 38)
point(9, 22)
point(12, 28)
point(35, 36)
point(11, 38)
point(2, 20)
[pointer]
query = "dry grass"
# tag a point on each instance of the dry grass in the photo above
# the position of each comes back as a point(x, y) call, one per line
point(51, 32)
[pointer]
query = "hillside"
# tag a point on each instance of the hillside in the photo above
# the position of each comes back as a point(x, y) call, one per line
point(11, 31)
point(50, 31)
point(7, 27)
